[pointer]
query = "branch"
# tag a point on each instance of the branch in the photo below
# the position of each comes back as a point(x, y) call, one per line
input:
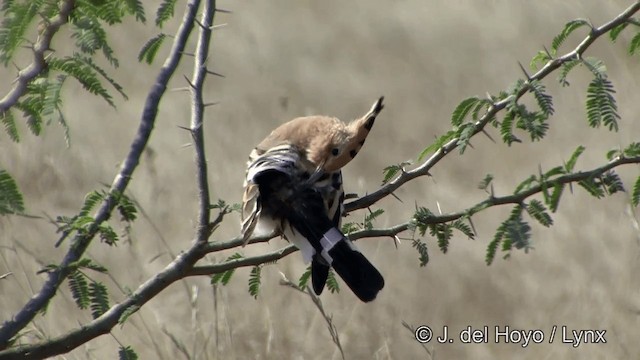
point(548, 68)
point(197, 112)
point(39, 64)
point(80, 243)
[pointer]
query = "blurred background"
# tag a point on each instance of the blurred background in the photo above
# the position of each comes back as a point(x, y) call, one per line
point(284, 59)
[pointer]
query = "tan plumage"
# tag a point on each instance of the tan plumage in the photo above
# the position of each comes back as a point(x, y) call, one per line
point(322, 144)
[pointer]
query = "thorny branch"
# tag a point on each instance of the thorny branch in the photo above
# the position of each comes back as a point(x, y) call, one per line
point(479, 126)
point(80, 243)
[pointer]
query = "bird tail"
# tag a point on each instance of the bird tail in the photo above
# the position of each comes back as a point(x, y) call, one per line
point(357, 272)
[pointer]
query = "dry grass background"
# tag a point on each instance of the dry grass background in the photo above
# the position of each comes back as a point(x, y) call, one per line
point(284, 59)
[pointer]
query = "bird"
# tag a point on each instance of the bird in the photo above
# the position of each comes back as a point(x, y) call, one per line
point(293, 188)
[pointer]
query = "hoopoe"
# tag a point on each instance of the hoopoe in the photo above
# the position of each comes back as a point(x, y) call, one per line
point(293, 187)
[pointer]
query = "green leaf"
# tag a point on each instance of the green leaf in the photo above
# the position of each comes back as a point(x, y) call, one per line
point(464, 228)
point(443, 233)
point(391, 171)
point(558, 170)
point(545, 101)
point(554, 200)
point(127, 353)
point(465, 132)
point(601, 105)
point(634, 44)
point(423, 252)
point(91, 200)
point(11, 201)
point(9, 123)
point(506, 128)
point(611, 182)
point(616, 30)
point(107, 234)
point(541, 58)
point(99, 298)
point(86, 263)
point(635, 193)
point(165, 12)
point(484, 184)
point(517, 233)
point(369, 218)
point(492, 248)
point(632, 150)
point(595, 65)
point(566, 69)
point(440, 142)
point(135, 7)
point(127, 313)
point(16, 21)
point(526, 184)
point(462, 110)
point(574, 158)
point(225, 276)
point(539, 212)
point(83, 73)
point(79, 289)
point(592, 187)
point(332, 282)
point(421, 220)
point(304, 278)
point(150, 49)
point(254, 281)
point(568, 29)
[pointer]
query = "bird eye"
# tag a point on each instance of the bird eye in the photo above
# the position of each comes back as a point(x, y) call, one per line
point(335, 151)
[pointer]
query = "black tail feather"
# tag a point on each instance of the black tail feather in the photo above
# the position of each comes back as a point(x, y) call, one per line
point(357, 272)
point(319, 275)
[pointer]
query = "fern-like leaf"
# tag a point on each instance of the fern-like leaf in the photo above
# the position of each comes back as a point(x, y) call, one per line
point(539, 212)
point(225, 276)
point(440, 142)
point(601, 105)
point(83, 73)
point(565, 70)
point(304, 278)
point(541, 58)
point(634, 44)
point(506, 128)
point(16, 21)
point(91, 200)
point(423, 251)
point(11, 201)
point(463, 228)
point(635, 193)
point(464, 134)
point(254, 281)
point(127, 353)
point(492, 248)
point(99, 298)
point(136, 8)
point(568, 29)
point(463, 109)
point(332, 282)
point(9, 123)
point(574, 158)
point(443, 233)
point(79, 289)
point(484, 184)
point(545, 101)
point(150, 49)
point(165, 12)
point(616, 30)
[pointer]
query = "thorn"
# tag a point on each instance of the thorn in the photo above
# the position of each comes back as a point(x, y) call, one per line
point(219, 26)
point(186, 145)
point(396, 241)
point(547, 51)
point(350, 196)
point(211, 103)
point(184, 88)
point(187, 54)
point(492, 193)
point(200, 24)
point(524, 71)
point(184, 128)
point(189, 81)
point(214, 73)
point(397, 198)
point(224, 11)
point(5, 275)
point(439, 209)
point(490, 97)
point(473, 227)
point(489, 136)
